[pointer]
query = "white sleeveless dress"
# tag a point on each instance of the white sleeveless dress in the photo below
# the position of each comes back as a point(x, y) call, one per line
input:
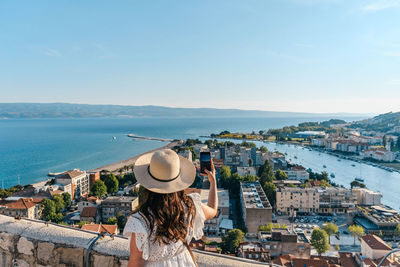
point(163, 255)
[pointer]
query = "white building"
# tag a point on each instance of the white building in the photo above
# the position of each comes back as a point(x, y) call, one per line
point(243, 171)
point(380, 154)
point(75, 181)
point(367, 197)
point(200, 147)
point(297, 173)
point(373, 247)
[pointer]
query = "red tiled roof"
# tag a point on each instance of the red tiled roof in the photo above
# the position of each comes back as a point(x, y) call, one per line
point(88, 212)
point(101, 228)
point(70, 174)
point(284, 260)
point(23, 203)
point(346, 259)
point(375, 242)
point(309, 263)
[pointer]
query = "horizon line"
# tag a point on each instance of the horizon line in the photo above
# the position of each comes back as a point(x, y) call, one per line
point(213, 108)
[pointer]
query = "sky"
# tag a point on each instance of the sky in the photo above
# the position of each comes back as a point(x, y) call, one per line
point(279, 55)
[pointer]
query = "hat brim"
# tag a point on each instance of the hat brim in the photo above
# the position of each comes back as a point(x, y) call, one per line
point(184, 180)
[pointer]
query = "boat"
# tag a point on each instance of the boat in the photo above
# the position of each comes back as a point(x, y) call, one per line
point(353, 165)
point(359, 180)
point(339, 160)
point(114, 137)
point(295, 157)
point(332, 175)
point(324, 166)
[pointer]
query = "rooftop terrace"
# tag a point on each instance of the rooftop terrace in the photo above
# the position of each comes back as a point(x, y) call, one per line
point(254, 196)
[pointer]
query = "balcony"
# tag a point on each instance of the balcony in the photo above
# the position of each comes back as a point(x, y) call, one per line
point(27, 242)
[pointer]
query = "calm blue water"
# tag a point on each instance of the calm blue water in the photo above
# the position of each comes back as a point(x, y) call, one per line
point(30, 148)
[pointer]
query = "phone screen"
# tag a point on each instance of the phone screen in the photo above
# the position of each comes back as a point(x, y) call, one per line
point(205, 162)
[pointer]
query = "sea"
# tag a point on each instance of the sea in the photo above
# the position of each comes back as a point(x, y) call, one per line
point(31, 148)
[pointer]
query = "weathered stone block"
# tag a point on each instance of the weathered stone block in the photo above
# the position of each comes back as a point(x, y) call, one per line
point(45, 252)
point(71, 256)
point(123, 263)
point(7, 242)
point(25, 246)
point(21, 263)
point(5, 258)
point(99, 260)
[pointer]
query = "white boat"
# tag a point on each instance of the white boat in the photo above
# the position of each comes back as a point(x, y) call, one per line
point(114, 137)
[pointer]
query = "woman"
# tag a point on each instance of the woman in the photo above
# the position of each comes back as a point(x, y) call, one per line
point(167, 219)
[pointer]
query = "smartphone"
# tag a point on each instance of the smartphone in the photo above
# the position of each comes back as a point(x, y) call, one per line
point(205, 162)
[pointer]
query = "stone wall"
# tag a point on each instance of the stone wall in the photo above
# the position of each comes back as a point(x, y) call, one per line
point(26, 243)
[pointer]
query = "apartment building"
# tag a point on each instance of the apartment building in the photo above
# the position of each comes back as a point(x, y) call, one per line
point(75, 182)
point(111, 206)
point(297, 173)
point(30, 208)
point(282, 241)
point(366, 197)
point(256, 208)
point(324, 200)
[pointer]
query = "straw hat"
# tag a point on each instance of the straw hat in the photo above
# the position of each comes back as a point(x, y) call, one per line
point(164, 171)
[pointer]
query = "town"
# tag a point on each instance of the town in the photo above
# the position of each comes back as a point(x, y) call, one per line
point(270, 210)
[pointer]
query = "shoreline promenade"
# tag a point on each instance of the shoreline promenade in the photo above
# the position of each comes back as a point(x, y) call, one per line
point(117, 165)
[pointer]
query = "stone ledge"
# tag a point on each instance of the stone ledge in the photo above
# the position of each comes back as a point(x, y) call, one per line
point(36, 243)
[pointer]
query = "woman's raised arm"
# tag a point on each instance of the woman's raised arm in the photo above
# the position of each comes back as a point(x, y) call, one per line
point(211, 209)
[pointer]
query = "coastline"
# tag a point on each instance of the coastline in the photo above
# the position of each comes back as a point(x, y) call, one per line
point(117, 165)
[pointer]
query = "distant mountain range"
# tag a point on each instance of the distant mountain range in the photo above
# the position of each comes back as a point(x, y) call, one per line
point(65, 110)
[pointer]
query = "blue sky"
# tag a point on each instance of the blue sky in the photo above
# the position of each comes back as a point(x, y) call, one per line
point(285, 55)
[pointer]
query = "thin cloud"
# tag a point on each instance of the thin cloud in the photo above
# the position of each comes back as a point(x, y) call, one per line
point(381, 4)
point(52, 52)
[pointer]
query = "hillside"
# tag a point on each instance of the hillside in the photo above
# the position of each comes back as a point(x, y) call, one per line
point(383, 122)
point(65, 110)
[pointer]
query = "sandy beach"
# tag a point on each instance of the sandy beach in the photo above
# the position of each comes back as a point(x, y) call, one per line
point(117, 165)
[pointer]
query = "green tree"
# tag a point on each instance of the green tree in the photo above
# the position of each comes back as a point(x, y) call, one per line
point(324, 183)
point(99, 189)
point(397, 231)
point(270, 192)
point(231, 240)
point(67, 200)
point(49, 208)
point(250, 162)
point(268, 227)
point(280, 175)
point(112, 183)
point(112, 220)
point(121, 220)
point(357, 184)
point(82, 223)
point(224, 176)
point(59, 202)
point(330, 229)
point(266, 172)
point(319, 240)
point(249, 178)
point(263, 149)
point(356, 231)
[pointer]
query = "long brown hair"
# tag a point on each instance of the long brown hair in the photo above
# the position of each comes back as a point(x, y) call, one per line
point(172, 214)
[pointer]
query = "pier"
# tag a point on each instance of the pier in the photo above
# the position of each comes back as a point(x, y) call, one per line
point(149, 138)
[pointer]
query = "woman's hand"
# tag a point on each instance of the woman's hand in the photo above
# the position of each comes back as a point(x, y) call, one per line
point(211, 174)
